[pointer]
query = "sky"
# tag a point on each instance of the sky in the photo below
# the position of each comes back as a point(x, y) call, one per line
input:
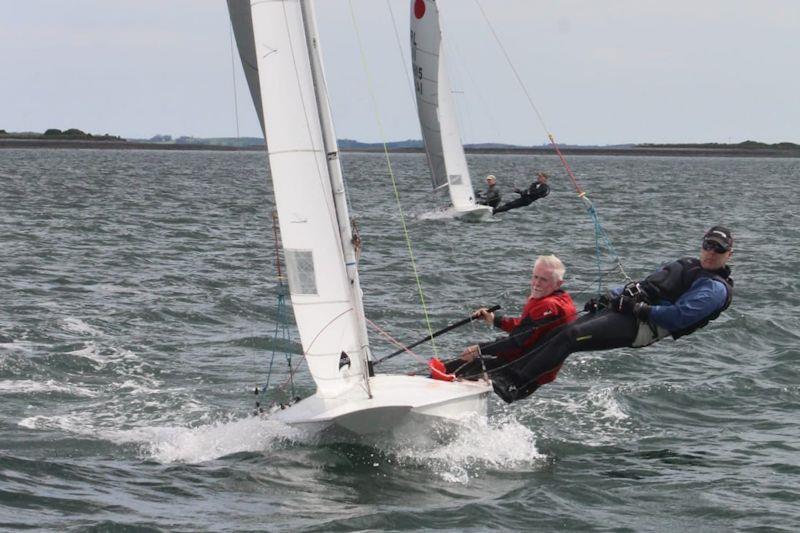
point(599, 72)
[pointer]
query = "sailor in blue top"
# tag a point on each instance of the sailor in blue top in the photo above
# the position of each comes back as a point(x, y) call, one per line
point(705, 296)
point(676, 300)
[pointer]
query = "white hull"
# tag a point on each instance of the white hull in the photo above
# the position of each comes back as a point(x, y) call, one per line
point(475, 213)
point(396, 400)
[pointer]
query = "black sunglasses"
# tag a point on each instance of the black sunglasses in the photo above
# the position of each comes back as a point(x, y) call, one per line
point(714, 246)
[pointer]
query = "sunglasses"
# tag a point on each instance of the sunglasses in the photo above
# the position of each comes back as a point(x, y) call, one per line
point(714, 246)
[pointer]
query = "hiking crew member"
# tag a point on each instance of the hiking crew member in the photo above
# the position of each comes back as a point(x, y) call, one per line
point(538, 189)
point(680, 298)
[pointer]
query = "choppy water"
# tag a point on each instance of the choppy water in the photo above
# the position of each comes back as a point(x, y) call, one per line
point(137, 309)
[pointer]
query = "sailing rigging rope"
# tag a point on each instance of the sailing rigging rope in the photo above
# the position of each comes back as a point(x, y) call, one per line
point(395, 341)
point(233, 75)
point(281, 331)
point(600, 233)
point(406, 70)
point(406, 235)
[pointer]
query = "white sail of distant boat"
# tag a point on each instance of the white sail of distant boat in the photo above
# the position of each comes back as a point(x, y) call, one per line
point(291, 96)
point(242, 22)
point(437, 117)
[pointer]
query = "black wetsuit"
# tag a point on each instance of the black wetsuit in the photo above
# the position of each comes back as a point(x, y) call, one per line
point(603, 330)
point(528, 196)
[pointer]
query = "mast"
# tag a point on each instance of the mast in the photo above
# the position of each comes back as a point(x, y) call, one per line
point(349, 241)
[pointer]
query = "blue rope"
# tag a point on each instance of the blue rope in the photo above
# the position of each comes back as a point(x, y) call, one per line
point(598, 233)
point(281, 332)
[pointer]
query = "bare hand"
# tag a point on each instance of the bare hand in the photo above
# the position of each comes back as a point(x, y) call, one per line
point(485, 314)
point(470, 353)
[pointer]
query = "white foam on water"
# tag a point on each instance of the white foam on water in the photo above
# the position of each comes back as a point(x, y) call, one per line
point(438, 214)
point(90, 351)
point(176, 444)
point(144, 386)
point(475, 445)
point(76, 325)
point(73, 423)
point(27, 386)
point(598, 416)
point(17, 346)
point(102, 356)
point(603, 399)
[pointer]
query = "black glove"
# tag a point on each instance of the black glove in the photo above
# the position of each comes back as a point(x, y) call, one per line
point(628, 306)
point(623, 304)
point(641, 311)
point(596, 304)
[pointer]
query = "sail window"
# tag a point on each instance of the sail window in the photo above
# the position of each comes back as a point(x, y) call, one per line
point(300, 268)
point(455, 179)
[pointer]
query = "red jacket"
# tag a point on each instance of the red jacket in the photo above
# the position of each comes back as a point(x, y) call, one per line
point(555, 310)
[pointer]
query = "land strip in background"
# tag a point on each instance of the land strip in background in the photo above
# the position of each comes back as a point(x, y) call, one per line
point(76, 139)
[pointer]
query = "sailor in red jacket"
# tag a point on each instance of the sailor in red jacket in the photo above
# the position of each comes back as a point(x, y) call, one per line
point(547, 308)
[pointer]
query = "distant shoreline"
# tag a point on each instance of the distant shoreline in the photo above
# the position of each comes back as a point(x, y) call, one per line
point(652, 151)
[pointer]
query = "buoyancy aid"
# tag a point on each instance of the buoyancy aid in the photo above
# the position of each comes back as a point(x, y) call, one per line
point(539, 317)
point(675, 278)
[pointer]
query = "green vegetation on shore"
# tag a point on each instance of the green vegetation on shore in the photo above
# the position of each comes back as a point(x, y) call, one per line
point(746, 145)
point(76, 138)
point(53, 133)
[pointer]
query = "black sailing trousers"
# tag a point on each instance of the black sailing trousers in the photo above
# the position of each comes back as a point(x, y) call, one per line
point(602, 330)
point(513, 204)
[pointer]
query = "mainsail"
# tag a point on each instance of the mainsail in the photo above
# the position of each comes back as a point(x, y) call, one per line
point(435, 108)
point(309, 193)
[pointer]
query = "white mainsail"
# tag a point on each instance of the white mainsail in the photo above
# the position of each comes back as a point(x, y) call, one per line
point(437, 117)
point(325, 293)
point(317, 236)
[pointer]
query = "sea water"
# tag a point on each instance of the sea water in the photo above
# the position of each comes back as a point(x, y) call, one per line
point(138, 312)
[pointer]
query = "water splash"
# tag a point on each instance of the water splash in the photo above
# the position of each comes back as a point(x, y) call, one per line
point(176, 444)
point(76, 325)
point(458, 454)
point(437, 214)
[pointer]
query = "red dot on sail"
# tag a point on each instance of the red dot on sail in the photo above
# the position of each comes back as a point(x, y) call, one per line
point(419, 8)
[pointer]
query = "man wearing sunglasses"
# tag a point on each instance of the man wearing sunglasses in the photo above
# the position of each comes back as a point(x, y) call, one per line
point(678, 299)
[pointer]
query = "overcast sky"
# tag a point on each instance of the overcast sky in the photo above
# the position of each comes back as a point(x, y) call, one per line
point(600, 72)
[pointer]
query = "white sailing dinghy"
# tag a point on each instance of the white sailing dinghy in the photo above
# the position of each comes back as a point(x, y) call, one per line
point(279, 46)
point(437, 117)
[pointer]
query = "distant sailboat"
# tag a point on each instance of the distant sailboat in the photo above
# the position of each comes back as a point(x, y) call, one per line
point(280, 52)
point(436, 111)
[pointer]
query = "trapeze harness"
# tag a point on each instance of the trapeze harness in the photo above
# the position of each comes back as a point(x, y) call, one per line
point(670, 283)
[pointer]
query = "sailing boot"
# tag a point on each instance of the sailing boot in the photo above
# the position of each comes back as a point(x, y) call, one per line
point(505, 385)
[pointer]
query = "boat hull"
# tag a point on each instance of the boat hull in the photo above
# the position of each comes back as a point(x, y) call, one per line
point(396, 400)
point(477, 213)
